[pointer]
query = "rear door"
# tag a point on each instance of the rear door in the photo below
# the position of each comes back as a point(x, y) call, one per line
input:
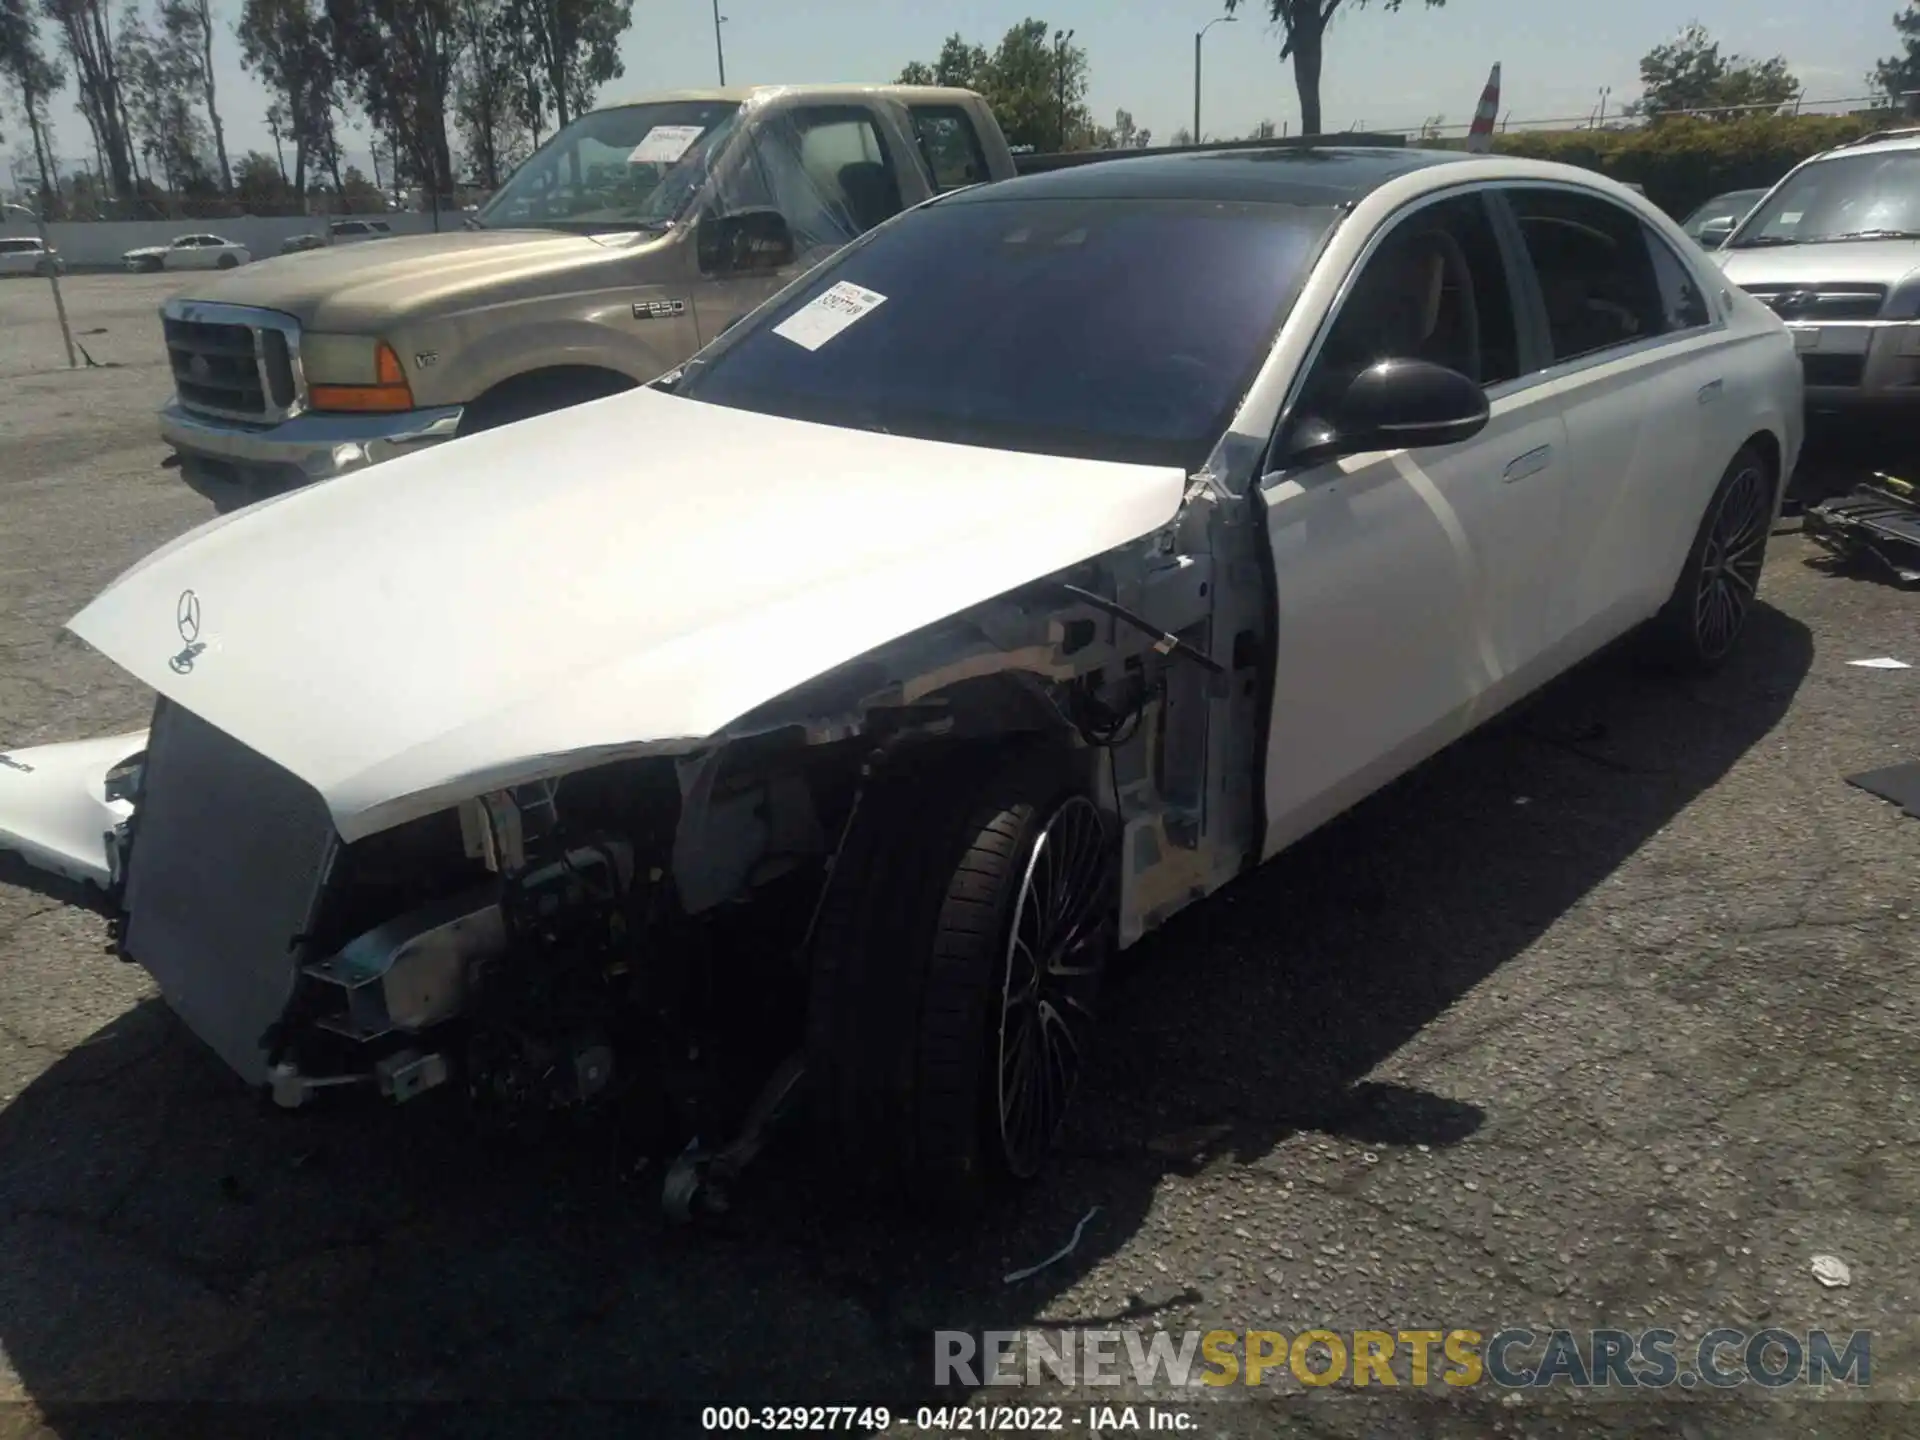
point(1638, 368)
point(1409, 583)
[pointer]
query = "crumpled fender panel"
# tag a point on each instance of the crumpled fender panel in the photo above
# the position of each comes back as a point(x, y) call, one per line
point(54, 811)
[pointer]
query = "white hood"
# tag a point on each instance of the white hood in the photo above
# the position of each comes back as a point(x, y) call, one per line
point(639, 570)
point(1855, 262)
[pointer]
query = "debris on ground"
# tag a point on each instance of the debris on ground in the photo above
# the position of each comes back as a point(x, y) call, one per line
point(1884, 662)
point(1876, 523)
point(1062, 1253)
point(1899, 784)
point(1831, 1271)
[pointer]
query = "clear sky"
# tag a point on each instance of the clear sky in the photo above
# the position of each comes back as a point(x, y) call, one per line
point(1382, 69)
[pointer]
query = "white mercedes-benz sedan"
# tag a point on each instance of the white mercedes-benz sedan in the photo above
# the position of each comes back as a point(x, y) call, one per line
point(834, 707)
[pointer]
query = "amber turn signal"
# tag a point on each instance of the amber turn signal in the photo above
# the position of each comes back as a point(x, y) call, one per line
point(390, 392)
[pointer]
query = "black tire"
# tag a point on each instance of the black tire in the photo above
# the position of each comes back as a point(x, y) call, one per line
point(152, 265)
point(919, 1001)
point(522, 399)
point(226, 262)
point(1699, 626)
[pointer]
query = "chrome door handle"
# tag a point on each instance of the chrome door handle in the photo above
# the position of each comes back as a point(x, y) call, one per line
point(1531, 463)
point(1712, 391)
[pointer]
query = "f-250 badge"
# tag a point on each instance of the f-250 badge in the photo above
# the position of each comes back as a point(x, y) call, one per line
point(658, 309)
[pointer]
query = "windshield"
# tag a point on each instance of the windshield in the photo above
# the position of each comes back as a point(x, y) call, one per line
point(1845, 198)
point(633, 167)
point(1108, 329)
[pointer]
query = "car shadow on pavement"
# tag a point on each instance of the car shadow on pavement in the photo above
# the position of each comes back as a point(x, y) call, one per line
point(371, 1270)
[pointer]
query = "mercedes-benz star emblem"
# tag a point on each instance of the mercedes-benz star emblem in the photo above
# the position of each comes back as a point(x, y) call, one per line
point(187, 615)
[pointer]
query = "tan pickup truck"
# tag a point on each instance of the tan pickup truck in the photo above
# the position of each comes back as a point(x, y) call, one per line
point(629, 240)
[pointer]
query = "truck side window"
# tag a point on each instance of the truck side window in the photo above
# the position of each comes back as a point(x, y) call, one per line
point(825, 168)
point(950, 145)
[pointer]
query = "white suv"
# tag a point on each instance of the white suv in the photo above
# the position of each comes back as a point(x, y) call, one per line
point(28, 257)
point(1834, 250)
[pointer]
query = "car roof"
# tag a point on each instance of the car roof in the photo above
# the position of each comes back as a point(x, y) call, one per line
point(1892, 142)
point(920, 94)
point(1286, 175)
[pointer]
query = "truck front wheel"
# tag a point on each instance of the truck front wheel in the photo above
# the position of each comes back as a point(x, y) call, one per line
point(525, 396)
point(956, 968)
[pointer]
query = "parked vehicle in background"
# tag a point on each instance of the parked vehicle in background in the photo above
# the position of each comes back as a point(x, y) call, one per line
point(295, 244)
point(631, 237)
point(189, 252)
point(28, 256)
point(1713, 222)
point(840, 702)
point(342, 232)
point(1834, 249)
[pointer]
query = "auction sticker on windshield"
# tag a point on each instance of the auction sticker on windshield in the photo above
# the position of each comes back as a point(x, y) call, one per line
point(827, 314)
point(664, 144)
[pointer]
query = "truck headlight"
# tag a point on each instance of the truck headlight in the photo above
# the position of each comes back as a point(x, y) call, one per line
point(354, 373)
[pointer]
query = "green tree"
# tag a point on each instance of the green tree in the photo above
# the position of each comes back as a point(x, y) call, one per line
point(485, 112)
point(397, 58)
point(1037, 85)
point(572, 46)
point(186, 27)
point(1901, 73)
point(1689, 73)
point(287, 44)
point(86, 34)
point(34, 77)
point(260, 186)
point(156, 75)
point(1303, 34)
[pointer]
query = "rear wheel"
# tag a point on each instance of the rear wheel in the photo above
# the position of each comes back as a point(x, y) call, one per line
point(956, 970)
point(1703, 620)
point(227, 262)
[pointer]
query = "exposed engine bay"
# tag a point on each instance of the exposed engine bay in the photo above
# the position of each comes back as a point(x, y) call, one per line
point(639, 932)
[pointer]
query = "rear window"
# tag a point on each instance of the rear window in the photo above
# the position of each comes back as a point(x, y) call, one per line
point(950, 145)
point(1111, 329)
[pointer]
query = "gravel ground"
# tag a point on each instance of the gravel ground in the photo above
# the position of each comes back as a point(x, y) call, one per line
point(1605, 1017)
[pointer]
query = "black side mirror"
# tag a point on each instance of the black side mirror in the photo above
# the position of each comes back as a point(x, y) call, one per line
point(746, 242)
point(1392, 405)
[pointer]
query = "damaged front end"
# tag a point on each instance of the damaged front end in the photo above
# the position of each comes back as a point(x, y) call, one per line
point(640, 927)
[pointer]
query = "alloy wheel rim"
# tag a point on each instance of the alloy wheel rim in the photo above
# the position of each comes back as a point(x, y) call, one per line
point(1730, 566)
point(1055, 951)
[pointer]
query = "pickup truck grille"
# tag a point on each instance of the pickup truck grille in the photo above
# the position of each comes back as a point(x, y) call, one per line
point(1837, 301)
point(235, 363)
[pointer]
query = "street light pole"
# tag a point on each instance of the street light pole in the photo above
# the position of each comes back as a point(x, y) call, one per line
point(1224, 19)
point(719, 51)
point(53, 277)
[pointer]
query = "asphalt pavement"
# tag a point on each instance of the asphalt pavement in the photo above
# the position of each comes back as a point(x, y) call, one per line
point(1606, 1017)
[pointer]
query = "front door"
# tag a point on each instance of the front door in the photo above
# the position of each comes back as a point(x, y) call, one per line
point(827, 169)
point(1409, 583)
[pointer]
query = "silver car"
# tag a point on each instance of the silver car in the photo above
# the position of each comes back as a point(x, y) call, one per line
point(1834, 250)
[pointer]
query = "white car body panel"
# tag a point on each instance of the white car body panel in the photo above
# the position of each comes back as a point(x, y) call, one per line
point(636, 574)
point(1419, 593)
point(629, 574)
point(179, 256)
point(22, 262)
point(53, 807)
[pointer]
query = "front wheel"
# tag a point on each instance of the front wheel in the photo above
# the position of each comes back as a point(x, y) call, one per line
point(1703, 620)
point(957, 966)
point(227, 262)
